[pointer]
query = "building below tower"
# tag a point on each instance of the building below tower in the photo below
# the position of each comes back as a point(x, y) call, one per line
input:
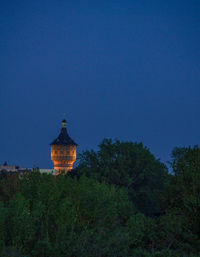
point(63, 151)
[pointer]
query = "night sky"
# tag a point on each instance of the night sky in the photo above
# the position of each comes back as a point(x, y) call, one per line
point(118, 69)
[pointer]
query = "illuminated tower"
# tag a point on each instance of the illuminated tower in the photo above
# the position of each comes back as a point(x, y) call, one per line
point(63, 151)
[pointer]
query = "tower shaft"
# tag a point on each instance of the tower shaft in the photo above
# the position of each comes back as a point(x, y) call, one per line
point(63, 157)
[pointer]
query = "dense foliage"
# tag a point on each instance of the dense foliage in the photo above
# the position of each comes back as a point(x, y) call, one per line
point(119, 201)
point(128, 165)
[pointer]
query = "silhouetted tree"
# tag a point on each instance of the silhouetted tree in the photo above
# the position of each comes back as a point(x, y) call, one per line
point(129, 165)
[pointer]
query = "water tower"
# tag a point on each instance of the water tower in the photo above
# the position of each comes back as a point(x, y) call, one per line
point(63, 151)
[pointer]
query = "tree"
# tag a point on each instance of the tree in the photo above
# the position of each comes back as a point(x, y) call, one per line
point(129, 165)
point(186, 168)
point(9, 186)
point(66, 217)
point(183, 198)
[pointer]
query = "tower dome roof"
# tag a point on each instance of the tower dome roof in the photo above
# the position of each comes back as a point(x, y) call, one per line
point(63, 138)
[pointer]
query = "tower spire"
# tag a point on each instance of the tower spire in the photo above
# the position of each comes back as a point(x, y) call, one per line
point(64, 123)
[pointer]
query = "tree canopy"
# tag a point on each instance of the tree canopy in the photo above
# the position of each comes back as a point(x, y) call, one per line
point(129, 165)
point(106, 207)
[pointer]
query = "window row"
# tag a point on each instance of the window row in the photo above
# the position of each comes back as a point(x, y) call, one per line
point(62, 152)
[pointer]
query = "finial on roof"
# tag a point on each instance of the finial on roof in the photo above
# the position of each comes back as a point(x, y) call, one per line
point(64, 123)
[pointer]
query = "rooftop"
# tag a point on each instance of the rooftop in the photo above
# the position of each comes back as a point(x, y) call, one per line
point(63, 138)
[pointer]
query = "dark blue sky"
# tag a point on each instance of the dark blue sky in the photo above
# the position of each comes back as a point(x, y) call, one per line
point(120, 69)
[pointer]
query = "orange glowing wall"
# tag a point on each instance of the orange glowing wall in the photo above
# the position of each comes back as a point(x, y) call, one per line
point(63, 157)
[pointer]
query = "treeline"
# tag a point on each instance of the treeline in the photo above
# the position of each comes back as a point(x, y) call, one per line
point(120, 201)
